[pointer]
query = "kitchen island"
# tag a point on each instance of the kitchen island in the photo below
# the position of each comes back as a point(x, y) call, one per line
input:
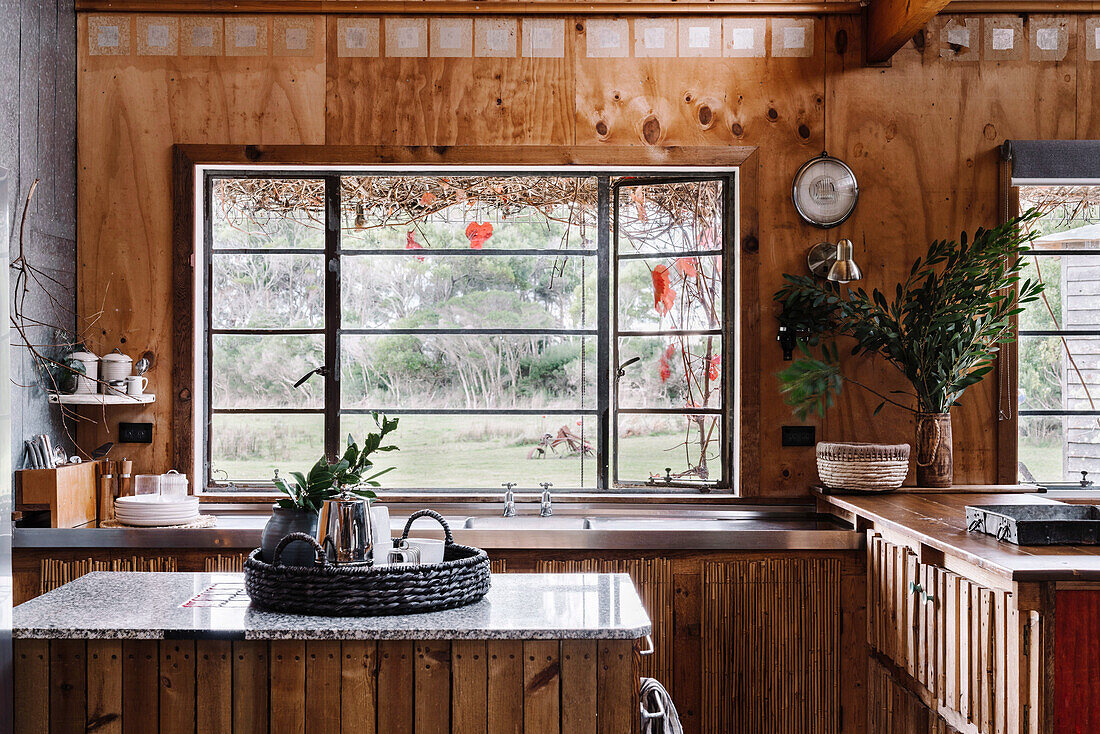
point(184, 652)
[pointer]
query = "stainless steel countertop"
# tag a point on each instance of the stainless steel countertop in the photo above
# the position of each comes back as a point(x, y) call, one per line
point(762, 527)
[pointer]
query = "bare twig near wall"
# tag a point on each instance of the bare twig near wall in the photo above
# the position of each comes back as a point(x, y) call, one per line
point(48, 356)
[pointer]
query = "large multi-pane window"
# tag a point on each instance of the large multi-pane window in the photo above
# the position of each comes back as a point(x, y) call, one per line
point(1059, 339)
point(555, 328)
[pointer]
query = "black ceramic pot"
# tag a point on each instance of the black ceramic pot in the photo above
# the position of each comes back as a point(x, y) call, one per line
point(283, 522)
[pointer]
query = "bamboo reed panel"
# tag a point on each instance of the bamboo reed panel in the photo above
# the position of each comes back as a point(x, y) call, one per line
point(653, 579)
point(56, 572)
point(771, 646)
point(224, 564)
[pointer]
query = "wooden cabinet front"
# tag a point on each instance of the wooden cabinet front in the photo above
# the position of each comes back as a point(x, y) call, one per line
point(953, 643)
point(360, 687)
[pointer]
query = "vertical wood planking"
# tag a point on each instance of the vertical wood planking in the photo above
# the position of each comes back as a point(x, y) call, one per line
point(288, 686)
point(68, 686)
point(616, 687)
point(541, 686)
point(177, 686)
point(140, 686)
point(250, 687)
point(214, 683)
point(358, 685)
point(322, 688)
point(505, 686)
point(32, 686)
point(432, 677)
point(578, 686)
point(985, 664)
point(105, 686)
point(469, 686)
point(395, 685)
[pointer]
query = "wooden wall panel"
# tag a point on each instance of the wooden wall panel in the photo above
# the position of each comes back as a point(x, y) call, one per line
point(132, 109)
point(448, 101)
point(921, 135)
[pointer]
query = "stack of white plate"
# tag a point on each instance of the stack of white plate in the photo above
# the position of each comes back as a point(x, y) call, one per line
point(153, 510)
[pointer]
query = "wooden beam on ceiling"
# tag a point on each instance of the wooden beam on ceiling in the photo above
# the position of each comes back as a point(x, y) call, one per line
point(890, 23)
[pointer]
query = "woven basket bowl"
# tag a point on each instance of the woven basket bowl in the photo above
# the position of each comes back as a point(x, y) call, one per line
point(862, 467)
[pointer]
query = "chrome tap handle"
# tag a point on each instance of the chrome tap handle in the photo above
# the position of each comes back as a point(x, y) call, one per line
point(509, 500)
point(545, 509)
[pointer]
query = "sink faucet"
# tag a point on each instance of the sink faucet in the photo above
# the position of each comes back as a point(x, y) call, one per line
point(509, 500)
point(545, 510)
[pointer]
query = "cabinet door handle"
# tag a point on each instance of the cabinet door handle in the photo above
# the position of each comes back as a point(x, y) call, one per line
point(918, 589)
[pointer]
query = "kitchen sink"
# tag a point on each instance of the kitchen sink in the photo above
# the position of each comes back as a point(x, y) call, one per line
point(527, 522)
point(705, 523)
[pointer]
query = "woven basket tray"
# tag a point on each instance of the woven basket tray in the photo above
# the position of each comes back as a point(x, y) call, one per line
point(862, 467)
point(362, 591)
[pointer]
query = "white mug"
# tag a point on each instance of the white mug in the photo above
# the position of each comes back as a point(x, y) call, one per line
point(136, 384)
point(431, 550)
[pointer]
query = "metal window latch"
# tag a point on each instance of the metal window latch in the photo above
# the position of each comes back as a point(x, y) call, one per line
point(322, 371)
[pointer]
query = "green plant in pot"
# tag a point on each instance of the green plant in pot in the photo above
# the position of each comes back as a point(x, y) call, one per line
point(941, 328)
point(352, 472)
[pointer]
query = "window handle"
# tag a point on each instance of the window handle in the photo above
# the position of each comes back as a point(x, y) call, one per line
point(627, 363)
point(322, 371)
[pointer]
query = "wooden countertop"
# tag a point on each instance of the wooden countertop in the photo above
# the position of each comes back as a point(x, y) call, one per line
point(938, 520)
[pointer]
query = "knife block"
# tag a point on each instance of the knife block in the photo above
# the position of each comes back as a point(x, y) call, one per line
point(68, 492)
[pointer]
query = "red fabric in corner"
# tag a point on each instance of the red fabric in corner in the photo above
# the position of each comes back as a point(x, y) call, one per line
point(1077, 662)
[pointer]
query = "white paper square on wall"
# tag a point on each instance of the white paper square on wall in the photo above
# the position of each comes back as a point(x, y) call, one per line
point(958, 36)
point(608, 38)
point(1047, 39)
point(1002, 38)
point(408, 38)
point(1096, 38)
point(450, 37)
point(202, 36)
point(654, 37)
point(355, 37)
point(699, 36)
point(158, 36)
point(543, 38)
point(245, 36)
point(296, 39)
point(794, 37)
point(498, 39)
point(107, 36)
point(741, 38)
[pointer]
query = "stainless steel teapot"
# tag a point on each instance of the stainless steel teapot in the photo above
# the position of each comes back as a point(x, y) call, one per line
point(344, 530)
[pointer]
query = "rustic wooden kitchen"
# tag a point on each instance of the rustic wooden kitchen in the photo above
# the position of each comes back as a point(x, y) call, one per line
point(699, 366)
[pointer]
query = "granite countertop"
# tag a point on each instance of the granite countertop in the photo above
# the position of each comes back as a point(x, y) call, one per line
point(128, 605)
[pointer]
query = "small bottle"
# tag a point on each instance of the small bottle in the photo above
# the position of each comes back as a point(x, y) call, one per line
point(125, 478)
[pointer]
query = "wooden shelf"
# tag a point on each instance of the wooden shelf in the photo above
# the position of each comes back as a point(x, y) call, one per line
point(100, 399)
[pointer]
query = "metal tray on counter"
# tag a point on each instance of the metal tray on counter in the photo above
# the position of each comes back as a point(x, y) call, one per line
point(1037, 524)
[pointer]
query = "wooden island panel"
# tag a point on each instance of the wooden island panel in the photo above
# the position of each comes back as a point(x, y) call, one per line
point(321, 686)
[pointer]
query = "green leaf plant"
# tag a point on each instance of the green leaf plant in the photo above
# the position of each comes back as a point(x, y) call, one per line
point(941, 327)
point(352, 472)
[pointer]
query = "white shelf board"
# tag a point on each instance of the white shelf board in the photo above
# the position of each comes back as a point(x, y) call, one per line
point(101, 399)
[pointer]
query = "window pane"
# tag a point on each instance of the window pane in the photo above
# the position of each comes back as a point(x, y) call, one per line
point(670, 293)
point(467, 371)
point(260, 371)
point(266, 213)
point(468, 212)
point(267, 292)
point(1071, 296)
point(688, 445)
point(670, 217)
point(252, 447)
point(486, 450)
point(476, 291)
point(673, 372)
point(1041, 448)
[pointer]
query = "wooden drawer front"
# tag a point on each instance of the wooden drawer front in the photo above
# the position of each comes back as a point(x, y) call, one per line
point(952, 636)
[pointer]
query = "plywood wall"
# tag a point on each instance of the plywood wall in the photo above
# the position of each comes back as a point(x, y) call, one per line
point(920, 134)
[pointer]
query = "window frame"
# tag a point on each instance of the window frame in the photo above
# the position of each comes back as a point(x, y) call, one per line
point(607, 260)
